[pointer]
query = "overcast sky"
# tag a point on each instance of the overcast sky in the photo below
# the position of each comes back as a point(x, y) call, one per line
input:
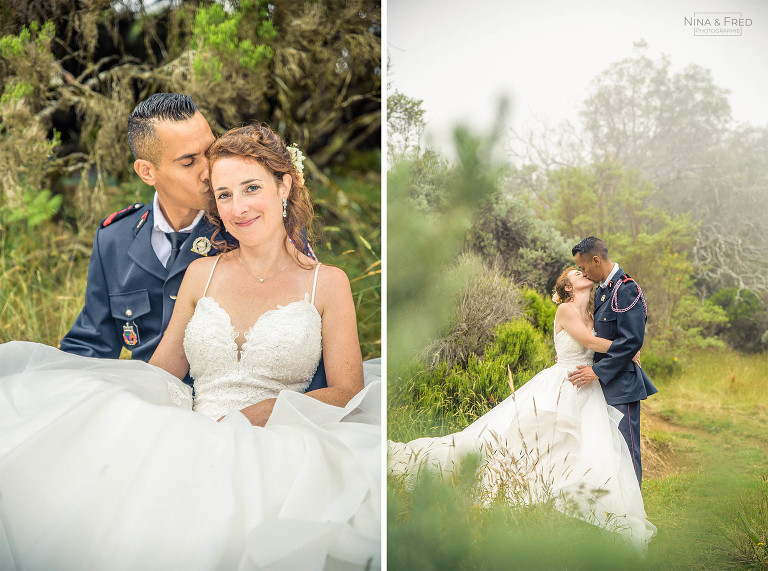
point(460, 56)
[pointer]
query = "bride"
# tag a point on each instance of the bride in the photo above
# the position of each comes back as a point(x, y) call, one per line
point(549, 441)
point(113, 464)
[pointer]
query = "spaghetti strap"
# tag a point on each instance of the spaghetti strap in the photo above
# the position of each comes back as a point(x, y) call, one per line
point(314, 283)
point(210, 276)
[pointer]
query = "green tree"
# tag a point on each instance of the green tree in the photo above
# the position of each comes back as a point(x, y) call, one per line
point(405, 125)
point(616, 204)
point(645, 116)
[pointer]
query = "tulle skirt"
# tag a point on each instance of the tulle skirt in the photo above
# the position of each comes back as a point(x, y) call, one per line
point(103, 464)
point(547, 442)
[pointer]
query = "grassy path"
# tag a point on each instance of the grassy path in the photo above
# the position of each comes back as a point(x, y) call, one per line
point(707, 451)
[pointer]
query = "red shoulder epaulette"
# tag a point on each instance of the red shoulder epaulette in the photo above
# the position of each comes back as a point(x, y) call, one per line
point(120, 214)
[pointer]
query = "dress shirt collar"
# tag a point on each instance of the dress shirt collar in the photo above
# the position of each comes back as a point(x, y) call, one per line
point(162, 225)
point(610, 276)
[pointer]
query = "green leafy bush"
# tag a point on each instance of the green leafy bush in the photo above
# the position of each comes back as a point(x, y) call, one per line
point(540, 311)
point(747, 319)
point(660, 367)
point(220, 36)
point(531, 249)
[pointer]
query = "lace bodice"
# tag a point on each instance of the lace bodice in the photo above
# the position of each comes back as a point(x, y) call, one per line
point(570, 354)
point(281, 352)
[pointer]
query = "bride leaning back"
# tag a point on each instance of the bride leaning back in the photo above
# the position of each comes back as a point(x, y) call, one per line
point(549, 441)
point(113, 464)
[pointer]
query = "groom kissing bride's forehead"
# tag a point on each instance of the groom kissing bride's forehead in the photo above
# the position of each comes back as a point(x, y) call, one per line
point(141, 253)
point(620, 313)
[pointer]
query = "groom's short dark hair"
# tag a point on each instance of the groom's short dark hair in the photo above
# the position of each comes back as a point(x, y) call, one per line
point(591, 246)
point(142, 137)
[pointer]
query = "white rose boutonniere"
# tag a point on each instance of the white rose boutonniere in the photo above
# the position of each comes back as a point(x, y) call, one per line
point(201, 246)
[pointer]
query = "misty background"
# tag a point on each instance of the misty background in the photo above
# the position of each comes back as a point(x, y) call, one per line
point(620, 122)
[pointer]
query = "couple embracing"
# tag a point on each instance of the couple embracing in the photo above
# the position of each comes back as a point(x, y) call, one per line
point(249, 440)
point(570, 435)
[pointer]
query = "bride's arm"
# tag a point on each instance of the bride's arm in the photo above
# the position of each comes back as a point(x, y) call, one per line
point(169, 354)
point(341, 348)
point(568, 317)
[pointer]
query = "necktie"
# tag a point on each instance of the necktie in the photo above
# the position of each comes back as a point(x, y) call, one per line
point(176, 239)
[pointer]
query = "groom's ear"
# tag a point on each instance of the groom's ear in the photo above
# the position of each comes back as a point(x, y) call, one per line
point(146, 171)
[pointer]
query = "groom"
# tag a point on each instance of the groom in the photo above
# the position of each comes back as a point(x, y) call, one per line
point(620, 315)
point(141, 252)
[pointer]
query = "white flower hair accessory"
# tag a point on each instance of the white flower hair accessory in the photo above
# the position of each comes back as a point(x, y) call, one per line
point(297, 158)
point(556, 298)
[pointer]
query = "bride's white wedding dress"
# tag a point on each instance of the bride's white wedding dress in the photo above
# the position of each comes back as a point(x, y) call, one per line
point(105, 465)
point(549, 441)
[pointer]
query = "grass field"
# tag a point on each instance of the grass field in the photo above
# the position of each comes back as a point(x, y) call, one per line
point(705, 451)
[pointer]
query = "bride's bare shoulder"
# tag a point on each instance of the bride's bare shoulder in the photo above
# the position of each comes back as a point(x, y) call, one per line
point(332, 286)
point(198, 271)
point(331, 276)
point(563, 311)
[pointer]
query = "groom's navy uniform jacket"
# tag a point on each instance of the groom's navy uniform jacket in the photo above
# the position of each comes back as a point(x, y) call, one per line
point(623, 381)
point(130, 295)
point(620, 316)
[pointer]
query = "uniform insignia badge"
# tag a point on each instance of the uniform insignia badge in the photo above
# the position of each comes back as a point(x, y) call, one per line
point(602, 298)
point(130, 334)
point(202, 246)
point(140, 223)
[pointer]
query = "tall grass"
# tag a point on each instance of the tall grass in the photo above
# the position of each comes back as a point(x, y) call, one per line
point(42, 282)
point(438, 525)
point(349, 211)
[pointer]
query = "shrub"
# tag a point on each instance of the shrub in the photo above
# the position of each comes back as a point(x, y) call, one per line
point(540, 311)
point(531, 249)
point(488, 300)
point(660, 367)
point(747, 319)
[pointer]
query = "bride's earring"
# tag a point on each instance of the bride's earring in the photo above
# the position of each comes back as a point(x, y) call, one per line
point(285, 208)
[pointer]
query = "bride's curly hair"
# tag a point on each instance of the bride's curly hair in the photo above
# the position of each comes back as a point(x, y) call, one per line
point(561, 295)
point(261, 144)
